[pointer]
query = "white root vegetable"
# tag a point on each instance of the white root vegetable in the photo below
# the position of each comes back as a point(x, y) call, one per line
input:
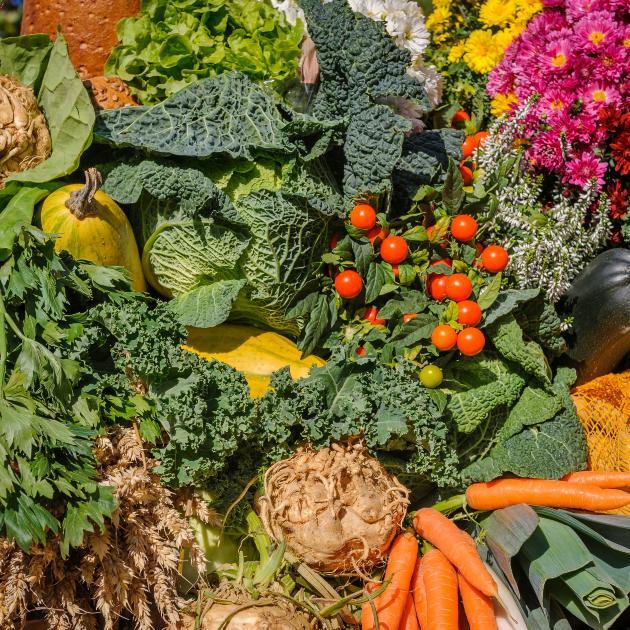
point(24, 136)
point(232, 608)
point(338, 508)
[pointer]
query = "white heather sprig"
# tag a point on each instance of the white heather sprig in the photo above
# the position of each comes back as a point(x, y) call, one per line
point(548, 244)
point(405, 23)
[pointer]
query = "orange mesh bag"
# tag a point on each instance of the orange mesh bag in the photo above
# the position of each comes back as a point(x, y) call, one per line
point(603, 406)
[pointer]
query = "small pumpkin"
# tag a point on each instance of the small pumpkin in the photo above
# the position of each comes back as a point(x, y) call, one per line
point(91, 226)
point(256, 353)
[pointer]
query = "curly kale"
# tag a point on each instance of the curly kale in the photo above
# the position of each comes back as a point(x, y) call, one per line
point(387, 406)
point(202, 407)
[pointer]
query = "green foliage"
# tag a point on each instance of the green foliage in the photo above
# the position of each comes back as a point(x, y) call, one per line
point(364, 78)
point(174, 43)
point(47, 69)
point(47, 470)
point(541, 437)
point(203, 407)
point(388, 406)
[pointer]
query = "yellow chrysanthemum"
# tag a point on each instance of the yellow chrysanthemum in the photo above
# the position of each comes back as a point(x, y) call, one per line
point(502, 103)
point(527, 9)
point(442, 4)
point(504, 38)
point(482, 52)
point(438, 20)
point(456, 53)
point(498, 12)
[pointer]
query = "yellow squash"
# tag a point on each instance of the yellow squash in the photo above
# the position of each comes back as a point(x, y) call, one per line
point(91, 226)
point(254, 352)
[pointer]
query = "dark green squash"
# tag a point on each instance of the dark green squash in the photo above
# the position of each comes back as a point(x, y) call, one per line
point(599, 302)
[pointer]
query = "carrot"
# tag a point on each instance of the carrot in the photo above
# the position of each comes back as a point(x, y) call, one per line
point(390, 604)
point(601, 479)
point(440, 583)
point(478, 607)
point(457, 546)
point(409, 619)
point(558, 494)
point(420, 595)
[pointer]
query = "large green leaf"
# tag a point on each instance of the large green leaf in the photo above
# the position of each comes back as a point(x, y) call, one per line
point(25, 58)
point(228, 115)
point(69, 114)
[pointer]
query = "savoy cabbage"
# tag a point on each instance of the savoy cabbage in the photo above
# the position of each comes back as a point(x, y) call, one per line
point(223, 155)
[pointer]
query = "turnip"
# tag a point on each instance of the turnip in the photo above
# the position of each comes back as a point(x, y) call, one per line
point(337, 508)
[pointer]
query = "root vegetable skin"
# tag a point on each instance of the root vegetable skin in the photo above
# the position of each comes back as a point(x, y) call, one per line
point(478, 607)
point(420, 595)
point(390, 605)
point(601, 479)
point(338, 508)
point(556, 494)
point(24, 136)
point(440, 584)
point(409, 619)
point(458, 547)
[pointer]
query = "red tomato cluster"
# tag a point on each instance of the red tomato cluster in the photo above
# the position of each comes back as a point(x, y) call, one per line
point(458, 288)
point(470, 144)
point(394, 249)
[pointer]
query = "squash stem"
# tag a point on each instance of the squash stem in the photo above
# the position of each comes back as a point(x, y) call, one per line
point(81, 202)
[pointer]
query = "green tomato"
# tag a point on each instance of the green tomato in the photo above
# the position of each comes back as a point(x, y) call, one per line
point(431, 376)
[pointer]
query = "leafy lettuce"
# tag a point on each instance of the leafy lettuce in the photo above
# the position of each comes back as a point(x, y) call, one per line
point(173, 43)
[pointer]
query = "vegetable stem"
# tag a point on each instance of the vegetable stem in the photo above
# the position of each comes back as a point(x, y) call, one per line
point(453, 503)
point(3, 346)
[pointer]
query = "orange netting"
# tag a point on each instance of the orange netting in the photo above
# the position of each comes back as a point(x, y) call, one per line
point(603, 406)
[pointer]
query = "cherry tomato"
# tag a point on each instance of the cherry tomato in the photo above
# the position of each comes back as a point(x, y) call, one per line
point(467, 174)
point(377, 232)
point(360, 351)
point(371, 316)
point(395, 271)
point(437, 286)
point(469, 145)
point(407, 317)
point(478, 248)
point(431, 376)
point(458, 287)
point(494, 258)
point(471, 341)
point(334, 239)
point(444, 337)
point(443, 244)
point(481, 137)
point(468, 313)
point(394, 250)
point(463, 227)
point(348, 284)
point(459, 117)
point(363, 216)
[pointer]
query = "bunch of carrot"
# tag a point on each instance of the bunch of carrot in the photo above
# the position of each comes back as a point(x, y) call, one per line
point(588, 490)
point(422, 593)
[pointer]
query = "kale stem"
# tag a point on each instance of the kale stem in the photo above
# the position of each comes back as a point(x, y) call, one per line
point(448, 505)
point(3, 346)
point(13, 325)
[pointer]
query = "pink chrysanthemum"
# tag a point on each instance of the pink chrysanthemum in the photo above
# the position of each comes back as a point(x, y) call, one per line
point(557, 56)
point(585, 168)
point(595, 32)
point(599, 95)
point(577, 9)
